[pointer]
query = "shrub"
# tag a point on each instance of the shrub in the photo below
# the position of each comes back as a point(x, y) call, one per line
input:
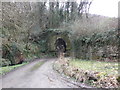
point(12, 53)
point(5, 62)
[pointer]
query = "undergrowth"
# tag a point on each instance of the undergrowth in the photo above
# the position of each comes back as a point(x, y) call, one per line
point(109, 68)
point(93, 73)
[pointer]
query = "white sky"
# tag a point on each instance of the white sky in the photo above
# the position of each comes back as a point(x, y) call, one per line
point(100, 7)
point(105, 7)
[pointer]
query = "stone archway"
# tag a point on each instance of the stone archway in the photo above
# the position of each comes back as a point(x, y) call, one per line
point(60, 45)
point(60, 40)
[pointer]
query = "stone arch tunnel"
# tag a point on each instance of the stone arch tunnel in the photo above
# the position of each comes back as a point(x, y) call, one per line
point(60, 41)
point(52, 40)
point(60, 45)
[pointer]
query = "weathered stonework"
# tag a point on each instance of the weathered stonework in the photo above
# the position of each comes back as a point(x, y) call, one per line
point(54, 36)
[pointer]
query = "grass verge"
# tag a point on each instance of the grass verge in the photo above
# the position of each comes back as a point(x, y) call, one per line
point(36, 66)
point(94, 73)
point(4, 70)
point(109, 68)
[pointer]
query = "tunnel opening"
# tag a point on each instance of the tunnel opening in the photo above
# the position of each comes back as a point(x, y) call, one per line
point(60, 46)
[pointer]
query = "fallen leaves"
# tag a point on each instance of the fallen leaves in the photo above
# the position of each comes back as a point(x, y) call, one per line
point(96, 79)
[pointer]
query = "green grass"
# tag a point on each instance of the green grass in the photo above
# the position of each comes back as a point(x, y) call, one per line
point(6, 69)
point(109, 68)
point(36, 66)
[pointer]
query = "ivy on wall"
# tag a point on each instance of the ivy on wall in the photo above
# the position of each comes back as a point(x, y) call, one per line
point(97, 43)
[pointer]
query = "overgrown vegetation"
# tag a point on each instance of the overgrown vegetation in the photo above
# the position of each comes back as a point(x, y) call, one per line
point(105, 68)
point(98, 46)
point(26, 29)
point(97, 74)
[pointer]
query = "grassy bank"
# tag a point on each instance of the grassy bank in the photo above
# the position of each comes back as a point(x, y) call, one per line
point(107, 68)
point(94, 73)
point(4, 70)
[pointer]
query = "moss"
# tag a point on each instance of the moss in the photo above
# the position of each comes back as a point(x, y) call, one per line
point(118, 79)
point(36, 66)
point(55, 36)
point(4, 70)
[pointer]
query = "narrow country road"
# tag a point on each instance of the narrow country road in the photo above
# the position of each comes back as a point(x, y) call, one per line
point(42, 77)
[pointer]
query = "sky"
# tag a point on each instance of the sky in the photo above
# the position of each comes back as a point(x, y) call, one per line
point(100, 7)
point(105, 7)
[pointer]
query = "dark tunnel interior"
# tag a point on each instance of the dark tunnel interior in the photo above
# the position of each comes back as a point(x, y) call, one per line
point(60, 45)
